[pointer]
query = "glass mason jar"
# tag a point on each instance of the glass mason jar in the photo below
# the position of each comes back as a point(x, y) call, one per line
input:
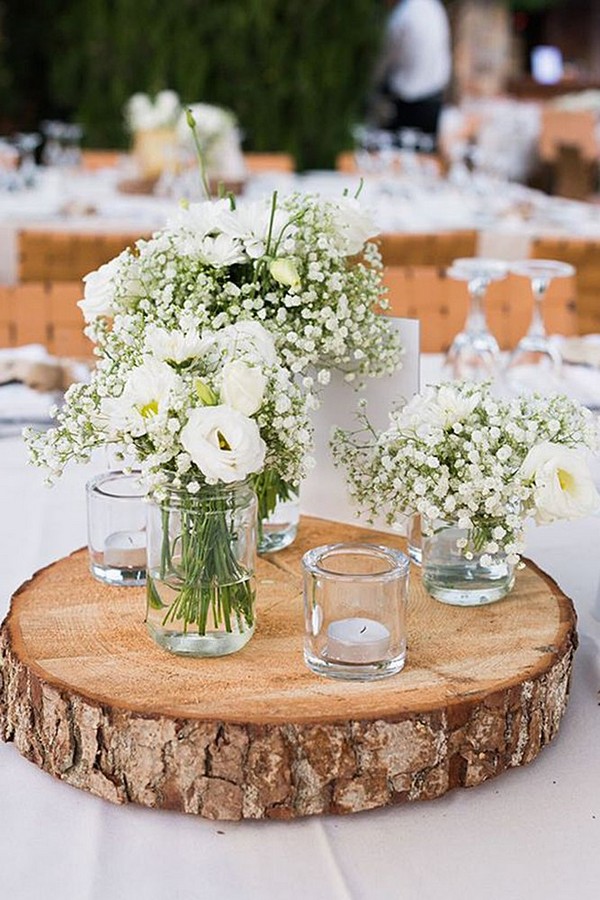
point(201, 560)
point(452, 578)
point(278, 511)
point(279, 529)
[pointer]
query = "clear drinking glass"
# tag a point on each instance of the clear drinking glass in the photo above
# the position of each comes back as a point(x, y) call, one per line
point(355, 610)
point(474, 352)
point(116, 511)
point(534, 354)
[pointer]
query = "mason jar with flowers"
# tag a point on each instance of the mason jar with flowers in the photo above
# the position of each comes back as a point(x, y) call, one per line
point(474, 468)
point(200, 413)
point(152, 122)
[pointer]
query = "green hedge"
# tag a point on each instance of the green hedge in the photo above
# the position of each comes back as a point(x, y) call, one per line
point(295, 72)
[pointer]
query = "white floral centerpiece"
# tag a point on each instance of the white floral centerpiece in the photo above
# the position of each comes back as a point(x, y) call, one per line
point(218, 135)
point(192, 409)
point(291, 266)
point(152, 122)
point(457, 454)
point(144, 113)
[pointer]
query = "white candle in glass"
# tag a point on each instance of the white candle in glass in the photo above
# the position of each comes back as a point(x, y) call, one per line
point(125, 550)
point(357, 640)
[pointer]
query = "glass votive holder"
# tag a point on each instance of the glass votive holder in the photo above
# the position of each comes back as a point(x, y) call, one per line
point(116, 514)
point(355, 610)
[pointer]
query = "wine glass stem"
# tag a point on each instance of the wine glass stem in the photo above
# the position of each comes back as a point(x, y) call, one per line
point(476, 323)
point(537, 328)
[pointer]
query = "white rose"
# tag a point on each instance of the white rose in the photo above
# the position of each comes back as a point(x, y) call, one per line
point(355, 224)
point(563, 487)
point(243, 387)
point(99, 293)
point(224, 444)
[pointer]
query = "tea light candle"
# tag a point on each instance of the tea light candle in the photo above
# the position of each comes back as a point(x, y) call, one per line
point(357, 640)
point(125, 550)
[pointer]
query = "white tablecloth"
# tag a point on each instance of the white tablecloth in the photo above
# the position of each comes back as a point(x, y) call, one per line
point(531, 834)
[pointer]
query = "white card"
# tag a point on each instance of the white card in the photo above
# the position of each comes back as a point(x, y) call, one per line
point(324, 492)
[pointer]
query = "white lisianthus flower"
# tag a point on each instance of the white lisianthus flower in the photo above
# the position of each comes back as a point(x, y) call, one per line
point(225, 444)
point(355, 224)
point(563, 487)
point(145, 401)
point(243, 387)
point(285, 271)
point(246, 336)
point(173, 346)
point(99, 291)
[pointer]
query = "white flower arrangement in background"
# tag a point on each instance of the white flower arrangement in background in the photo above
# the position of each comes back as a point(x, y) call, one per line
point(190, 408)
point(457, 454)
point(212, 123)
point(142, 113)
point(218, 140)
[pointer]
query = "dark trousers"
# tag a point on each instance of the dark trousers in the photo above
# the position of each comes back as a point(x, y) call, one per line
point(423, 114)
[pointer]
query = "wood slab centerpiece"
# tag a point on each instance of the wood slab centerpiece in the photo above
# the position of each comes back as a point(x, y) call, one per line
point(90, 698)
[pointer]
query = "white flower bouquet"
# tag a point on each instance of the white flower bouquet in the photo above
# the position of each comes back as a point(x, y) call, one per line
point(288, 266)
point(456, 454)
point(191, 409)
point(188, 407)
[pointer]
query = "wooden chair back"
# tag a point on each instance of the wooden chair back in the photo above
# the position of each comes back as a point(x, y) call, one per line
point(435, 249)
point(441, 303)
point(91, 160)
point(44, 313)
point(65, 256)
point(269, 162)
point(584, 255)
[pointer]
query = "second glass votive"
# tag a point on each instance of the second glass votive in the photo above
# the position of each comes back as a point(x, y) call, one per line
point(116, 512)
point(355, 610)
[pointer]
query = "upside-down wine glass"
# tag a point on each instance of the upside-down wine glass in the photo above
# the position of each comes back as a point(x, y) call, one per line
point(474, 352)
point(534, 354)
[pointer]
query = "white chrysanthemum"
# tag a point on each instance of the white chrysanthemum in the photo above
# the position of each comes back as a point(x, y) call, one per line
point(173, 346)
point(146, 400)
point(355, 224)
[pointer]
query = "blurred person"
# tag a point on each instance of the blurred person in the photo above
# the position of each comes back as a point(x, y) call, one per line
point(414, 68)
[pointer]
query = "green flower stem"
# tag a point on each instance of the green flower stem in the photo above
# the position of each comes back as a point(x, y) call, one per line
point(201, 560)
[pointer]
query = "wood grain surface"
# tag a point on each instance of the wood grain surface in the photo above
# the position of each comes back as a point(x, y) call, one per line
point(87, 695)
